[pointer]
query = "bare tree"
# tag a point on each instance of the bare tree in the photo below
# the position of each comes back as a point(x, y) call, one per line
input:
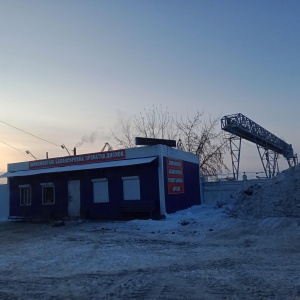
point(151, 123)
point(126, 139)
point(154, 123)
point(204, 138)
point(194, 134)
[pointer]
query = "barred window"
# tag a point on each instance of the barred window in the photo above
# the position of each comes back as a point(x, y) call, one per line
point(48, 193)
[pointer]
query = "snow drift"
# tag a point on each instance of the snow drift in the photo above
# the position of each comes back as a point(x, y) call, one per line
point(279, 197)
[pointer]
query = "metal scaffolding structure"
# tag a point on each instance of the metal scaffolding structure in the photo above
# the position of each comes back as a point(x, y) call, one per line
point(269, 145)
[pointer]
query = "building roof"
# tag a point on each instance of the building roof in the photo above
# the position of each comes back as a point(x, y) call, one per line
point(78, 167)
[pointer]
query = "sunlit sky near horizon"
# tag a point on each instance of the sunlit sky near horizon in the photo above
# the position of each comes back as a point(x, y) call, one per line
point(70, 68)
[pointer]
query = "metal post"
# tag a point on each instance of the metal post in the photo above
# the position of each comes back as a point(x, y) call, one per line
point(235, 152)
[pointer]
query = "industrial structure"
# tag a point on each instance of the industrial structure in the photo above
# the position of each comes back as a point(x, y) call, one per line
point(269, 146)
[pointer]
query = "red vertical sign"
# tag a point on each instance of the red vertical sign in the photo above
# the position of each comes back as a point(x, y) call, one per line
point(175, 176)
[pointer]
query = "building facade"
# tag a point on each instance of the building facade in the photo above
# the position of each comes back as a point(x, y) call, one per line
point(151, 180)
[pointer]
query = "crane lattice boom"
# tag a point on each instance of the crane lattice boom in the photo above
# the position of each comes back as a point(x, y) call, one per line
point(241, 126)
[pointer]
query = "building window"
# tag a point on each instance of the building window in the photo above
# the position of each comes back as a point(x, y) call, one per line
point(48, 193)
point(100, 190)
point(131, 188)
point(25, 195)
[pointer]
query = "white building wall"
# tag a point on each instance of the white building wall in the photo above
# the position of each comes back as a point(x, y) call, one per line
point(4, 201)
point(220, 192)
point(183, 155)
point(140, 152)
point(163, 150)
point(21, 166)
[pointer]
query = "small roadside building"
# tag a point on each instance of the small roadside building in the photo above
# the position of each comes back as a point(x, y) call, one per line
point(151, 180)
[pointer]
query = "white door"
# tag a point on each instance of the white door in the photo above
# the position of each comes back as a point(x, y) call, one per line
point(74, 198)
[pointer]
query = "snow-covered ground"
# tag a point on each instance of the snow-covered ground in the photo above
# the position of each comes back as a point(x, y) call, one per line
point(199, 253)
point(279, 197)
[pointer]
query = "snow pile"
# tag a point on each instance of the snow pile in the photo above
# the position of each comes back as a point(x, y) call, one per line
point(197, 215)
point(279, 197)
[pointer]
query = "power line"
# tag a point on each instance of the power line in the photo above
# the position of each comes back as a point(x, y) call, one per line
point(13, 147)
point(29, 134)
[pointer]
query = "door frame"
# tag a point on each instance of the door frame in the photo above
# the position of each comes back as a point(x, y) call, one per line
point(74, 202)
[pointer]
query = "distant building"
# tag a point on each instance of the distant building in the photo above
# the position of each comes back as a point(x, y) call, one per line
point(145, 181)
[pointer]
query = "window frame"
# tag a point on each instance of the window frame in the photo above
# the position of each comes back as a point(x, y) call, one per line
point(46, 186)
point(28, 188)
point(103, 197)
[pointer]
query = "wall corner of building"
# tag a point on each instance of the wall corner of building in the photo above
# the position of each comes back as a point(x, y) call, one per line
point(161, 179)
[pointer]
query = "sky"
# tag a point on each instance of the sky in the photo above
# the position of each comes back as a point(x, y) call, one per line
point(71, 70)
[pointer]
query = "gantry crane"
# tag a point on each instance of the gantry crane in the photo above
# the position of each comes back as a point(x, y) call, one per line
point(269, 146)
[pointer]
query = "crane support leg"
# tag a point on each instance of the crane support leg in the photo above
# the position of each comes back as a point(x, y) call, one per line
point(269, 161)
point(235, 152)
point(293, 161)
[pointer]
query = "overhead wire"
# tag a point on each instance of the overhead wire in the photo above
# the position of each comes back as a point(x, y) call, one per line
point(61, 146)
point(29, 133)
point(12, 147)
